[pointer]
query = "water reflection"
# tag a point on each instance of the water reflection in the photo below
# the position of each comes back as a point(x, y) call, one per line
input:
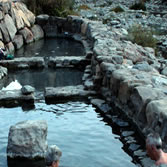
point(40, 79)
point(52, 47)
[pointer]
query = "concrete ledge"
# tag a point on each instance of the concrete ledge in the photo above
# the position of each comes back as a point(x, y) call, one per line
point(13, 98)
point(24, 63)
point(68, 93)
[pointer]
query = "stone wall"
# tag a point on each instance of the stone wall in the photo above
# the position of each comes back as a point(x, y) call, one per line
point(125, 74)
point(17, 26)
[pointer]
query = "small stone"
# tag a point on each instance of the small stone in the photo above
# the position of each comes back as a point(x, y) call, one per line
point(27, 89)
point(127, 133)
point(139, 153)
point(134, 147)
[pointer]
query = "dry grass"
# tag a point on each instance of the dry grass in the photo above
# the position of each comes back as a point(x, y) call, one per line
point(142, 36)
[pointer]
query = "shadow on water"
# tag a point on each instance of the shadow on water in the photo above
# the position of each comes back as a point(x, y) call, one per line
point(25, 163)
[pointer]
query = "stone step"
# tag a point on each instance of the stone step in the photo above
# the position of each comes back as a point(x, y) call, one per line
point(68, 61)
point(23, 63)
point(13, 98)
point(68, 93)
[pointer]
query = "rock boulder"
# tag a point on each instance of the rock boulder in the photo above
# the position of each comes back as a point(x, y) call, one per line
point(27, 139)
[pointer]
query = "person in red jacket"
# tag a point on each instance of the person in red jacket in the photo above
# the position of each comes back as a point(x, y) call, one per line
point(154, 149)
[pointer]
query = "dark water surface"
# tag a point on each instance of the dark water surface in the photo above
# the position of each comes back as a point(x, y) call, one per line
point(52, 47)
point(40, 79)
point(84, 138)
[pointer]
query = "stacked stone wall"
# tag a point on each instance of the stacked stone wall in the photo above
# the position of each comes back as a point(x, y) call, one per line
point(125, 74)
point(17, 26)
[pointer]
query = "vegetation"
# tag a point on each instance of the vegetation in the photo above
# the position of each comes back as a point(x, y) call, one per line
point(60, 8)
point(117, 9)
point(139, 6)
point(84, 7)
point(142, 36)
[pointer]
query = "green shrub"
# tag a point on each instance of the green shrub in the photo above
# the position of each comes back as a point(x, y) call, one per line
point(117, 9)
point(50, 7)
point(142, 36)
point(139, 6)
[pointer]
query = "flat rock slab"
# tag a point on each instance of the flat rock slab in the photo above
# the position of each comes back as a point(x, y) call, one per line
point(68, 93)
point(24, 63)
point(68, 61)
point(13, 98)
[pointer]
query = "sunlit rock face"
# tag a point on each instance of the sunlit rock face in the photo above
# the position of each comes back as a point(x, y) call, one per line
point(17, 19)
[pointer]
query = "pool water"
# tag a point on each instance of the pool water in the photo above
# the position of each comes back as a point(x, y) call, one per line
point(52, 47)
point(84, 138)
point(40, 79)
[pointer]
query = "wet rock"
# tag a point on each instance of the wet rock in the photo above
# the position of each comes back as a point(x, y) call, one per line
point(37, 32)
point(127, 133)
point(97, 102)
point(27, 139)
point(133, 147)
point(42, 19)
point(18, 41)
point(12, 98)
point(147, 162)
point(22, 63)
point(66, 61)
point(27, 89)
point(139, 153)
point(121, 123)
point(67, 93)
point(88, 84)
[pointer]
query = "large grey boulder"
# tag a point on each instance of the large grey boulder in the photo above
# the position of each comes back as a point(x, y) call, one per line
point(18, 41)
point(27, 35)
point(5, 33)
point(27, 139)
point(156, 114)
point(10, 26)
point(37, 32)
